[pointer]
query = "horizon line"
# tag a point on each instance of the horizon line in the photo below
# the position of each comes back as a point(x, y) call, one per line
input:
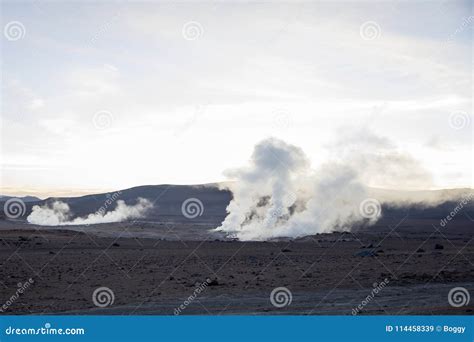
point(43, 193)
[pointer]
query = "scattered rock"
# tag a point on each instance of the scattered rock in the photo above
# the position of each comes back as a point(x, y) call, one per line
point(365, 254)
point(213, 282)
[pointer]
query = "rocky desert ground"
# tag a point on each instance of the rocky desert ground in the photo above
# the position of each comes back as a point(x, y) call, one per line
point(161, 268)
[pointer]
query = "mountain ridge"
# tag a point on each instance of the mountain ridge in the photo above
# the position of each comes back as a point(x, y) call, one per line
point(167, 202)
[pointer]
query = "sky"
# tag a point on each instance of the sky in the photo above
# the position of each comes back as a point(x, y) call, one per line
point(109, 95)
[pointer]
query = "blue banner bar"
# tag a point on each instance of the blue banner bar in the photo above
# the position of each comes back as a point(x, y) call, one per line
point(236, 328)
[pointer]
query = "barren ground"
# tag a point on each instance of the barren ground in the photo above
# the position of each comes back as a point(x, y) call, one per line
point(326, 274)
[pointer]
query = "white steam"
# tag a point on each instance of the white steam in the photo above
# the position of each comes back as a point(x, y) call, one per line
point(59, 214)
point(279, 195)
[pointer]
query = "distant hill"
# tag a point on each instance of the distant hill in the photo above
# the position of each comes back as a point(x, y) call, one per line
point(24, 199)
point(168, 200)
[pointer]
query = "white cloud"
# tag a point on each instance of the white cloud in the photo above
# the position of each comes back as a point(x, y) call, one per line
point(252, 60)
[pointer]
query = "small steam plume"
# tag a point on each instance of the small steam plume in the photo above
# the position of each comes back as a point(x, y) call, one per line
point(279, 195)
point(59, 214)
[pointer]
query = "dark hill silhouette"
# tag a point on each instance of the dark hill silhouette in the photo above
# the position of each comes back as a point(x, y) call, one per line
point(168, 199)
point(24, 199)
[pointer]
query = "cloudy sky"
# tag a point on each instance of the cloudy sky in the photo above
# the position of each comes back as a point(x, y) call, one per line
point(107, 95)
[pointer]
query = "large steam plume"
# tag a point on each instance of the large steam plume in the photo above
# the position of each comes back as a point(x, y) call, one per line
point(59, 214)
point(279, 195)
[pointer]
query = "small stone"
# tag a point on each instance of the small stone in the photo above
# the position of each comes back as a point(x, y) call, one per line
point(213, 282)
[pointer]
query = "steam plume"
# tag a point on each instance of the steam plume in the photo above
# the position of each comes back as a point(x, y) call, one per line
point(278, 195)
point(59, 214)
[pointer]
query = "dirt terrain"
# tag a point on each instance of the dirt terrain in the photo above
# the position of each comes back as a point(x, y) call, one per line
point(155, 273)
